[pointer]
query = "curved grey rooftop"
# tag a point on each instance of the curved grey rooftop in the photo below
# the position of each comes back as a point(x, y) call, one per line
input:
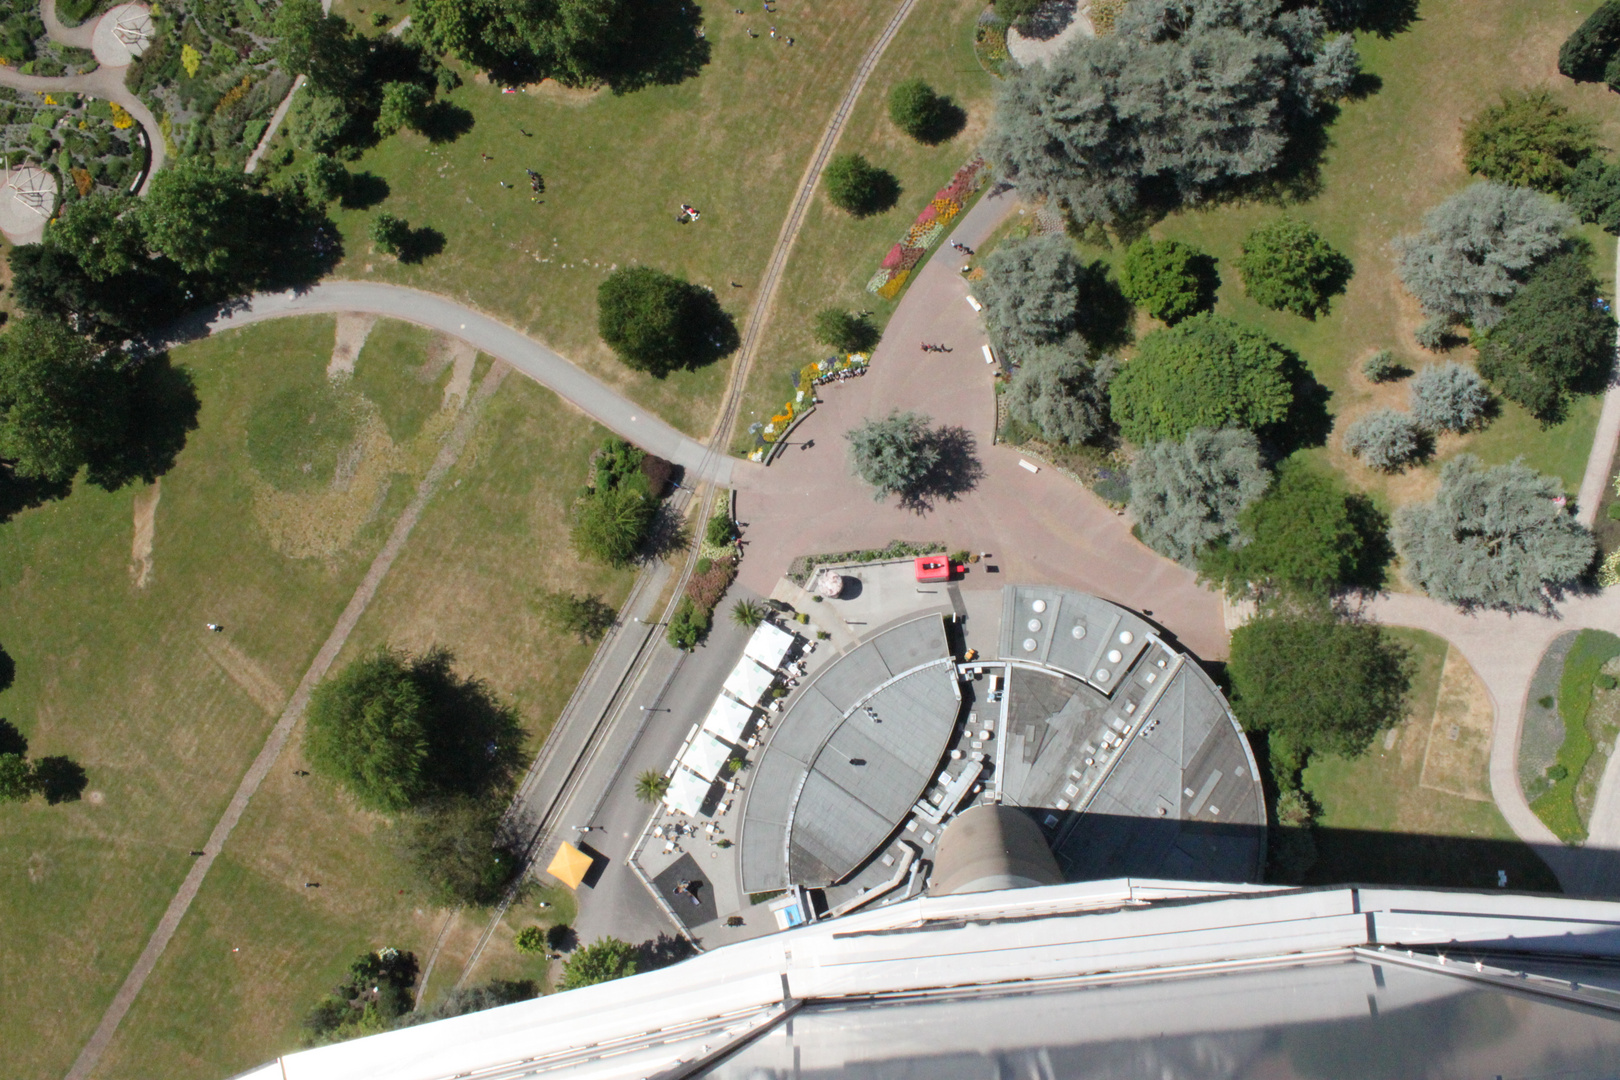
point(835, 780)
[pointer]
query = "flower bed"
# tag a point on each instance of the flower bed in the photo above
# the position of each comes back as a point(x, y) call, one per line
point(819, 373)
point(927, 229)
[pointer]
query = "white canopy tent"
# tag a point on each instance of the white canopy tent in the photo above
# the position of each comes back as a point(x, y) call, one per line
point(728, 719)
point(769, 646)
point(748, 682)
point(686, 793)
point(706, 756)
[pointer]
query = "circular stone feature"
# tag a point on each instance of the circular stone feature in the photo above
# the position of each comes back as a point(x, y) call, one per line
point(1126, 637)
point(1034, 626)
point(121, 35)
point(1029, 644)
point(1114, 656)
point(1078, 632)
point(1039, 606)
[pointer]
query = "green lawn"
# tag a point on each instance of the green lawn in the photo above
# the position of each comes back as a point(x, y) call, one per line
point(733, 142)
point(837, 254)
point(1392, 156)
point(166, 716)
point(1385, 820)
point(1582, 755)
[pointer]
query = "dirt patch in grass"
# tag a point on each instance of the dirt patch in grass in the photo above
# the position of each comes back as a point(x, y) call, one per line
point(351, 338)
point(245, 672)
point(140, 554)
point(1458, 757)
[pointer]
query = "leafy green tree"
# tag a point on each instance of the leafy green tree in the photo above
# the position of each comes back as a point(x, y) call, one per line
point(895, 455)
point(324, 123)
point(1061, 391)
point(367, 728)
point(1204, 372)
point(404, 105)
point(1031, 292)
point(458, 851)
point(1286, 265)
point(16, 778)
point(322, 47)
point(919, 111)
point(1593, 193)
point(101, 232)
point(64, 403)
point(568, 613)
point(844, 331)
point(1552, 341)
point(611, 525)
point(1316, 684)
point(747, 613)
point(1193, 98)
point(1495, 537)
point(858, 187)
point(721, 530)
point(576, 42)
point(324, 179)
point(1171, 280)
point(1305, 535)
point(374, 995)
point(389, 233)
point(1476, 247)
point(603, 960)
point(1448, 397)
point(1528, 139)
point(1188, 495)
point(1587, 53)
point(196, 214)
point(651, 786)
point(687, 626)
point(1386, 440)
point(644, 315)
point(530, 940)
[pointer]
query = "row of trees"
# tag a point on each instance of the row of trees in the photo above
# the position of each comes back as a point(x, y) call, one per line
point(376, 995)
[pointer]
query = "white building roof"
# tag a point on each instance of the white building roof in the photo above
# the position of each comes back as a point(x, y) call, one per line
point(748, 682)
point(769, 645)
point(727, 719)
point(706, 755)
point(686, 792)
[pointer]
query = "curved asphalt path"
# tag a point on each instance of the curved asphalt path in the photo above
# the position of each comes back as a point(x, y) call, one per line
point(574, 385)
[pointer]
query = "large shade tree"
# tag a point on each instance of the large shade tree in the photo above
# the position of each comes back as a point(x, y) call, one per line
point(1188, 495)
point(1497, 537)
point(1062, 392)
point(1031, 292)
point(896, 454)
point(1205, 372)
point(64, 402)
point(1188, 95)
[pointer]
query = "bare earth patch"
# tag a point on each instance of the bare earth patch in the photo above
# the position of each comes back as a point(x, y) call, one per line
point(1458, 759)
point(246, 673)
point(352, 331)
point(462, 356)
point(146, 503)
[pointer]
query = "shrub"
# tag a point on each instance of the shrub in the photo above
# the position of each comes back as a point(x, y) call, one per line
point(611, 525)
point(921, 113)
point(530, 940)
point(1171, 280)
point(844, 331)
point(858, 187)
point(1493, 538)
point(1434, 333)
point(1031, 292)
point(603, 960)
point(374, 994)
point(1552, 341)
point(1476, 247)
point(1593, 193)
point(389, 233)
point(1063, 393)
point(688, 625)
point(1206, 372)
point(721, 530)
point(1605, 681)
point(1448, 397)
point(1382, 366)
point(1385, 440)
point(1557, 772)
point(1188, 495)
point(1528, 140)
point(1287, 266)
point(404, 105)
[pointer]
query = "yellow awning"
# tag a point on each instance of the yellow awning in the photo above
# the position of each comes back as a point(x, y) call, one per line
point(570, 866)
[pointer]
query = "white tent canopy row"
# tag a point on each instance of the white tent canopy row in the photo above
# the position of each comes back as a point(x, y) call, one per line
point(706, 756)
point(769, 646)
point(748, 682)
point(728, 719)
point(686, 793)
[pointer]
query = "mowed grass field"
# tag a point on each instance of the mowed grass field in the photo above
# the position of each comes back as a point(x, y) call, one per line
point(166, 716)
point(734, 142)
point(1416, 808)
point(837, 254)
point(1392, 156)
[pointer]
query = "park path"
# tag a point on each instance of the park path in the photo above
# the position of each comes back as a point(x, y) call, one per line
point(489, 335)
point(449, 454)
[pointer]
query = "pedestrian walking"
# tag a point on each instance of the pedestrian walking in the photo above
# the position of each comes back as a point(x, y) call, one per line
point(214, 626)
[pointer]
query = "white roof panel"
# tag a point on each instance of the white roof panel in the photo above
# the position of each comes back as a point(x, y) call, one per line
point(769, 645)
point(727, 719)
point(748, 682)
point(706, 756)
point(686, 792)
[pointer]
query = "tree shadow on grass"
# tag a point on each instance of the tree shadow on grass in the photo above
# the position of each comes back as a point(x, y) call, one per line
point(946, 124)
point(12, 741)
point(662, 45)
point(445, 122)
point(709, 330)
point(19, 493)
point(365, 190)
point(60, 779)
point(163, 410)
point(421, 244)
point(1102, 312)
point(956, 471)
point(1308, 422)
point(662, 951)
point(1377, 551)
point(475, 740)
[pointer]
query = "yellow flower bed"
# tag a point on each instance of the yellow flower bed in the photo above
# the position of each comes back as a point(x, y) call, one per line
point(896, 283)
point(121, 117)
